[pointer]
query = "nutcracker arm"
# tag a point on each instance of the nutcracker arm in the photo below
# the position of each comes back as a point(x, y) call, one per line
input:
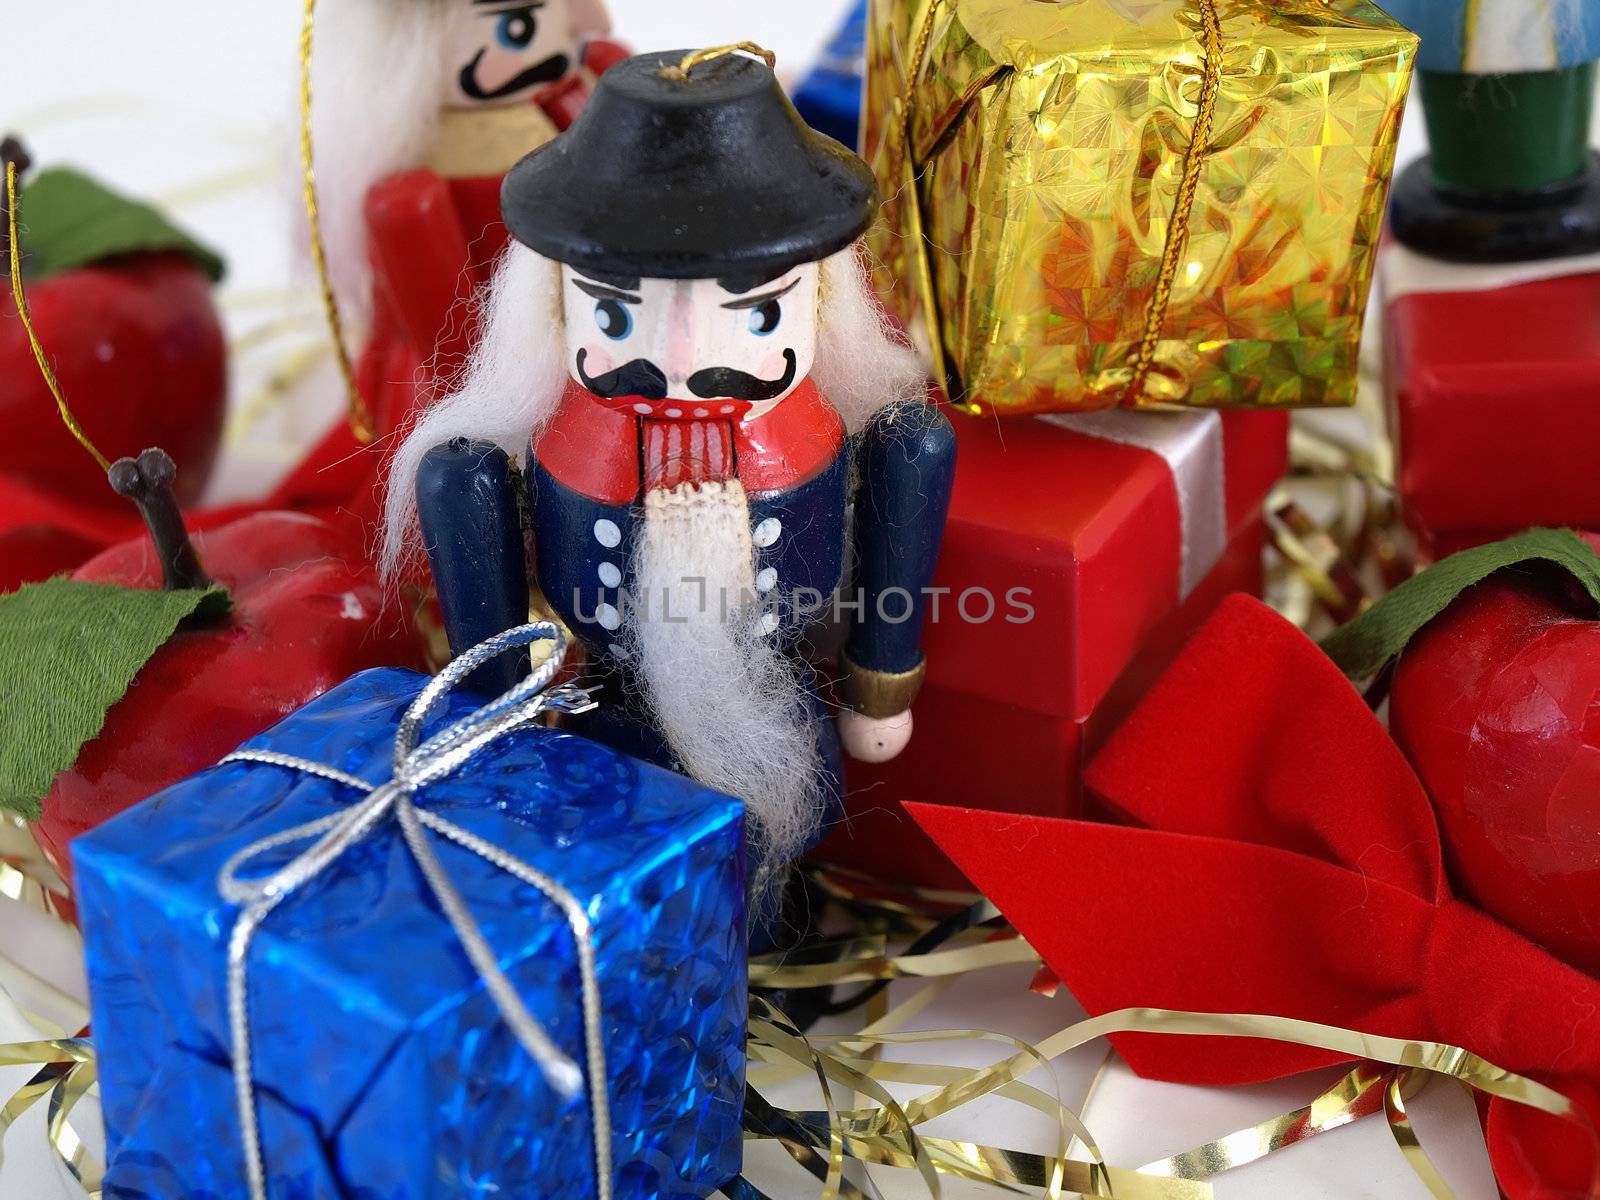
point(472, 530)
point(907, 467)
point(420, 257)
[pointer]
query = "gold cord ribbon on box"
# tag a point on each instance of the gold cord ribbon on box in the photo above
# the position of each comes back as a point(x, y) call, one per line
point(358, 414)
point(1177, 237)
point(1178, 228)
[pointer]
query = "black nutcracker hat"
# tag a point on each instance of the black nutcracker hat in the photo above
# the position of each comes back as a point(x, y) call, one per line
point(686, 169)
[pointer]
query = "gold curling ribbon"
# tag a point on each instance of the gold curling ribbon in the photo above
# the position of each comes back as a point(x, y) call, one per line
point(359, 415)
point(20, 298)
point(835, 1144)
point(26, 876)
point(67, 1071)
point(1393, 1067)
point(1354, 1096)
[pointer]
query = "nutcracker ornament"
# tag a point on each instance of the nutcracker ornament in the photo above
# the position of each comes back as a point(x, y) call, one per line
point(421, 106)
point(683, 348)
point(1507, 90)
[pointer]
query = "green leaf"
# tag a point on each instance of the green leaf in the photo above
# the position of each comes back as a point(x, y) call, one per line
point(68, 652)
point(1362, 647)
point(68, 220)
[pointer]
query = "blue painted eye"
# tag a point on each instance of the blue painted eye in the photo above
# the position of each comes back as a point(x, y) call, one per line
point(516, 28)
point(764, 318)
point(614, 319)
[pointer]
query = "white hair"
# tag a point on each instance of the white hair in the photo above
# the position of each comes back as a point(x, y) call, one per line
point(517, 372)
point(377, 85)
point(728, 703)
point(507, 393)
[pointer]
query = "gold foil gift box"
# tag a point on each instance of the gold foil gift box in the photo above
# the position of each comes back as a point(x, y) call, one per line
point(1093, 203)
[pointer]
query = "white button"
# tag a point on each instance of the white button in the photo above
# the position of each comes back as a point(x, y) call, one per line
point(607, 617)
point(642, 409)
point(769, 622)
point(674, 413)
point(767, 532)
point(727, 409)
point(619, 651)
point(607, 533)
point(766, 579)
point(610, 575)
point(702, 412)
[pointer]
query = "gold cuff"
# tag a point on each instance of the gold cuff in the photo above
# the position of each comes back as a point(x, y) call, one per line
point(878, 694)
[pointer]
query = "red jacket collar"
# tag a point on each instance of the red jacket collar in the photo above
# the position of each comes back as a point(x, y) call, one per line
point(594, 450)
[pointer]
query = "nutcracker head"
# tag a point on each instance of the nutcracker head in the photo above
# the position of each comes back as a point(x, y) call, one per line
point(384, 72)
point(691, 348)
point(502, 51)
point(692, 288)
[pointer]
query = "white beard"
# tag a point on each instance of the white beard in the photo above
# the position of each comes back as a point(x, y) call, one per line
point(729, 704)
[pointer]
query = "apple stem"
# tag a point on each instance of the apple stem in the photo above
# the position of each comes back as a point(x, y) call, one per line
point(147, 481)
point(12, 150)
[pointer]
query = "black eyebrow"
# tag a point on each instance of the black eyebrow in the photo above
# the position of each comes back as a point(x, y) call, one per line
point(601, 292)
point(512, 5)
point(758, 300)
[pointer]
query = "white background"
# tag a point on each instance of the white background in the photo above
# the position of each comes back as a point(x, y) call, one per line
point(190, 103)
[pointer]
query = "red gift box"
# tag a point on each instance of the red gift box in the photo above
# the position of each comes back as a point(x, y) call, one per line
point(1491, 393)
point(1125, 530)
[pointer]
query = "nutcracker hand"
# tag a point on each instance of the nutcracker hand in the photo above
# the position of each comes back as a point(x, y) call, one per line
point(874, 739)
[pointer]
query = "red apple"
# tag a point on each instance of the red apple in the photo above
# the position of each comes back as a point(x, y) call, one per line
point(122, 303)
point(1497, 705)
point(307, 613)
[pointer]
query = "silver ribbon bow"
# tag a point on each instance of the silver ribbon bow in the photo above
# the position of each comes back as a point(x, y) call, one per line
point(416, 766)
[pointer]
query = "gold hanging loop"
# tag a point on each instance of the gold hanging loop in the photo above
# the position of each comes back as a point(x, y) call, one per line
point(701, 57)
point(19, 297)
point(359, 415)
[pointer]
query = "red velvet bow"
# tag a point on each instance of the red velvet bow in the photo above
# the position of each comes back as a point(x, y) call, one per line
point(1281, 858)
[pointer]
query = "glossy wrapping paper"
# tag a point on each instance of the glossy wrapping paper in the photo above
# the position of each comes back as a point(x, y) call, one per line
point(382, 1067)
point(1134, 202)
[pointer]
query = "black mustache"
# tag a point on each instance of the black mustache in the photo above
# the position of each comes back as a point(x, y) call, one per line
point(550, 70)
point(641, 378)
point(644, 379)
point(718, 383)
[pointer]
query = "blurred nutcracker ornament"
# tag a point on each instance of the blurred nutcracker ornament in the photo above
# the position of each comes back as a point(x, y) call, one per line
point(417, 110)
point(1507, 89)
point(685, 350)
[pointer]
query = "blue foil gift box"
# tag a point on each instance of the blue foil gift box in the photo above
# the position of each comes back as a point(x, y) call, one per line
point(379, 1063)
